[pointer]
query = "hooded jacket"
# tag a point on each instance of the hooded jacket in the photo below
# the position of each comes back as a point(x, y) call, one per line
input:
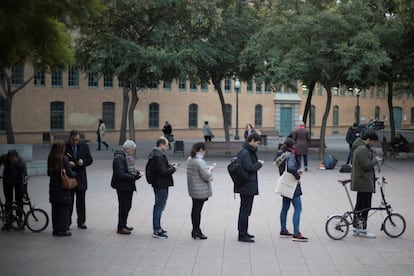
point(121, 179)
point(161, 169)
point(363, 173)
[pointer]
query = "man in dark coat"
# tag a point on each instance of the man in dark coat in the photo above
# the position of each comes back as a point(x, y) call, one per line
point(80, 157)
point(250, 163)
point(351, 135)
point(14, 178)
point(161, 171)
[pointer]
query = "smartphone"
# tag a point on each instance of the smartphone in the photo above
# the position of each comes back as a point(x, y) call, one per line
point(214, 164)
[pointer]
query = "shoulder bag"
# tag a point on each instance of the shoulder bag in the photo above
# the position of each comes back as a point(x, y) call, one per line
point(67, 182)
point(286, 184)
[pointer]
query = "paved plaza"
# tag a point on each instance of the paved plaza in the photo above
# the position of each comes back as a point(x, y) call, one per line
point(100, 251)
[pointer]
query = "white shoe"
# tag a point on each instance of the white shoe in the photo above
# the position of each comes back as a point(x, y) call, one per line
point(366, 234)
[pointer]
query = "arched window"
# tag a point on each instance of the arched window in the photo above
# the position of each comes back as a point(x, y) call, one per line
point(108, 114)
point(154, 115)
point(228, 114)
point(193, 116)
point(312, 115)
point(258, 115)
point(57, 116)
point(377, 113)
point(335, 117)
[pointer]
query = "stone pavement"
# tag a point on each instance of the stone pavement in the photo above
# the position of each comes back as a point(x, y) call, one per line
point(100, 251)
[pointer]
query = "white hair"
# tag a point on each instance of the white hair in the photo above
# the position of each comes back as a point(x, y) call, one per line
point(129, 144)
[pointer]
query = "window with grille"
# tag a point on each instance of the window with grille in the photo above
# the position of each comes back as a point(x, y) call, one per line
point(57, 78)
point(108, 114)
point(193, 116)
point(258, 115)
point(73, 77)
point(57, 115)
point(154, 115)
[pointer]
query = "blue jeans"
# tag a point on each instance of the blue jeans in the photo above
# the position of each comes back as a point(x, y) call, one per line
point(161, 196)
point(297, 205)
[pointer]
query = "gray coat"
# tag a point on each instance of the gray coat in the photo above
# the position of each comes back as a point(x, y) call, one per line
point(199, 178)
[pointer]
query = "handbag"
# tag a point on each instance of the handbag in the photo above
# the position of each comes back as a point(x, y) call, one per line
point(67, 182)
point(286, 184)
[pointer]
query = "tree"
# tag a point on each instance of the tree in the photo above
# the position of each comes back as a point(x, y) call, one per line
point(36, 33)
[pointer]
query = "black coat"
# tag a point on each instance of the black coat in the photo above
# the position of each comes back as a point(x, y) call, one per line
point(249, 162)
point(161, 169)
point(84, 153)
point(13, 175)
point(56, 194)
point(122, 180)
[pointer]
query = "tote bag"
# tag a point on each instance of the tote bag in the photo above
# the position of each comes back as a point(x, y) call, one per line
point(286, 184)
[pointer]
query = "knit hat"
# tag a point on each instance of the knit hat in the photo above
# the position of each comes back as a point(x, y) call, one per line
point(289, 142)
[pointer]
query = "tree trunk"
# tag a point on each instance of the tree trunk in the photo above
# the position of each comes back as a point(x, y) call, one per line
point(391, 110)
point(308, 104)
point(125, 103)
point(324, 120)
point(134, 102)
point(217, 86)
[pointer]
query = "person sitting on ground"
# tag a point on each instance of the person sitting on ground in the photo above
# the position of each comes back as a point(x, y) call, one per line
point(399, 143)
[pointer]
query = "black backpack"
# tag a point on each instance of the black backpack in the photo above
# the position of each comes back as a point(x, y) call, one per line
point(148, 172)
point(346, 168)
point(237, 173)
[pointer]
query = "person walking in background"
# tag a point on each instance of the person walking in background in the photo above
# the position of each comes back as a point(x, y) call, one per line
point(101, 134)
point(362, 126)
point(161, 171)
point(199, 177)
point(208, 134)
point(286, 160)
point(249, 130)
point(363, 179)
point(302, 139)
point(351, 135)
point(250, 163)
point(14, 180)
point(79, 155)
point(124, 175)
point(59, 198)
point(167, 131)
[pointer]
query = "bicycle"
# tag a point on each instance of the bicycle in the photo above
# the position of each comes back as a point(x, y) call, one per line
point(337, 226)
point(14, 217)
point(36, 219)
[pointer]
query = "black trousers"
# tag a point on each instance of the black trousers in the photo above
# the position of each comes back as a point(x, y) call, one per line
point(103, 142)
point(124, 205)
point(363, 202)
point(80, 206)
point(246, 204)
point(60, 217)
point(196, 213)
point(10, 190)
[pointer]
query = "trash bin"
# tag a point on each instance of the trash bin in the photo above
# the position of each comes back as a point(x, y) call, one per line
point(179, 146)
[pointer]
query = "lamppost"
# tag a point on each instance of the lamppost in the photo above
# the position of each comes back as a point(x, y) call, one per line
point(237, 86)
point(357, 107)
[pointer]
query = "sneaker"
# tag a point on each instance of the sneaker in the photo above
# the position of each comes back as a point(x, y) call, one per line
point(285, 234)
point(356, 232)
point(299, 238)
point(164, 231)
point(366, 234)
point(160, 235)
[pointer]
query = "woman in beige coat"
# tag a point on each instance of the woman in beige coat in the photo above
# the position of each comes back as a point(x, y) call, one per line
point(199, 177)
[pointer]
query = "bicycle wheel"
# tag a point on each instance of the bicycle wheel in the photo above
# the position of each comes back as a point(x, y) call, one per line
point(394, 225)
point(16, 217)
point(337, 227)
point(37, 220)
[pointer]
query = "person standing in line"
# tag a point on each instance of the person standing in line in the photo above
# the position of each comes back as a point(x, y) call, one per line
point(14, 180)
point(302, 138)
point(59, 198)
point(79, 155)
point(249, 130)
point(250, 163)
point(351, 135)
point(199, 177)
point(208, 134)
point(161, 171)
point(101, 134)
point(124, 175)
point(363, 179)
point(286, 159)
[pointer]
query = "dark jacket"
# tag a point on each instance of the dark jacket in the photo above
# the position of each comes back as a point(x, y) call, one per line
point(351, 135)
point(161, 169)
point(84, 153)
point(249, 162)
point(122, 180)
point(363, 173)
point(13, 175)
point(56, 194)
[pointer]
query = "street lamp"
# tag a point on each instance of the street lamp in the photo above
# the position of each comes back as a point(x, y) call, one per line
point(357, 107)
point(237, 86)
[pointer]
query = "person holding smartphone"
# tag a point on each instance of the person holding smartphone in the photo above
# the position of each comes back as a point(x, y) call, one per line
point(199, 177)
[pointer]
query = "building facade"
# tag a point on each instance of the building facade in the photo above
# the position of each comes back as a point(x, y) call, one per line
point(62, 100)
